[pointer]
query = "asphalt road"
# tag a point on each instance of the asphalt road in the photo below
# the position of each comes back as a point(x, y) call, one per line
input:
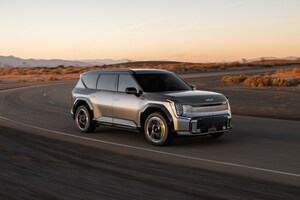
point(266, 150)
point(256, 145)
point(35, 167)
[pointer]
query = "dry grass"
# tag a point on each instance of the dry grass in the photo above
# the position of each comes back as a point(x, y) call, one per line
point(283, 77)
point(22, 80)
point(51, 78)
point(234, 79)
point(61, 72)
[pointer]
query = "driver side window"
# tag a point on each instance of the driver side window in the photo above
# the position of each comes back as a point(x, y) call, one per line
point(126, 81)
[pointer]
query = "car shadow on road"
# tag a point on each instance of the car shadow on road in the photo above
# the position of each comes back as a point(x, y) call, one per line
point(180, 141)
point(197, 141)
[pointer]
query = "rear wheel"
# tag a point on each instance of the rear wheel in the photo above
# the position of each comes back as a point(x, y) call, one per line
point(156, 129)
point(84, 120)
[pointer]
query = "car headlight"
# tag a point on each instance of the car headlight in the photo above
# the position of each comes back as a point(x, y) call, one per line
point(178, 109)
point(182, 109)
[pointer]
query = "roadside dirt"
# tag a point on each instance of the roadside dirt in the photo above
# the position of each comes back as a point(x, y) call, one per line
point(270, 102)
point(34, 167)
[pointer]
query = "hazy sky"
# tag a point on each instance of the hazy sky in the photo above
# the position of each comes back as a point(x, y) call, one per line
point(184, 30)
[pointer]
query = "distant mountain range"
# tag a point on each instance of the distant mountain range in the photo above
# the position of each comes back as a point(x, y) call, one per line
point(11, 61)
point(270, 58)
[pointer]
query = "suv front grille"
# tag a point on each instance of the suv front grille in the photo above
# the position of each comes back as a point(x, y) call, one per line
point(208, 124)
point(203, 109)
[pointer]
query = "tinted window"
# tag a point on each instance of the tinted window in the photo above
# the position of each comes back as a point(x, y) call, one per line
point(159, 82)
point(107, 82)
point(90, 81)
point(126, 81)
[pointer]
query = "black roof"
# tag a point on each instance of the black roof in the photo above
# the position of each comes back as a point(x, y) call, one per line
point(125, 71)
point(148, 71)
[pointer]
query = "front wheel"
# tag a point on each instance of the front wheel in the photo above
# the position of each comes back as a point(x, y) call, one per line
point(156, 129)
point(84, 120)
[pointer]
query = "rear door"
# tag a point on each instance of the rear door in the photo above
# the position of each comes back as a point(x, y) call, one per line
point(103, 98)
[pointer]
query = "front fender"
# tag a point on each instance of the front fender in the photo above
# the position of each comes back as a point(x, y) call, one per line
point(153, 108)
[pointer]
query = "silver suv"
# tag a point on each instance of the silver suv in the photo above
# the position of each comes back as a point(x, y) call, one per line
point(156, 102)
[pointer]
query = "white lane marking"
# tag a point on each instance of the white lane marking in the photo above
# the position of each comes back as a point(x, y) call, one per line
point(52, 102)
point(156, 151)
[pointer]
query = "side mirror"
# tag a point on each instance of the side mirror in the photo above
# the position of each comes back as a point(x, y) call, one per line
point(193, 87)
point(131, 90)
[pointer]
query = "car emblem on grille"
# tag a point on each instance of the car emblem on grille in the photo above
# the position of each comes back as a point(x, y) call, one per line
point(209, 100)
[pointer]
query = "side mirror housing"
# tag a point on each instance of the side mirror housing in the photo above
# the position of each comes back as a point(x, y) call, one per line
point(193, 87)
point(131, 90)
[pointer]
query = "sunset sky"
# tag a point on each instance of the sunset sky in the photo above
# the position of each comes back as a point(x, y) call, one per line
point(179, 30)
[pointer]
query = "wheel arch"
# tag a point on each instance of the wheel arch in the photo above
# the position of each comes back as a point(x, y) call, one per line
point(79, 102)
point(151, 108)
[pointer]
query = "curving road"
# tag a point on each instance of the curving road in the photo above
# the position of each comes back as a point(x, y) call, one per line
point(265, 149)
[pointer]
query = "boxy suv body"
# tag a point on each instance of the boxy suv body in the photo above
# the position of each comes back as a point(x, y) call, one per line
point(156, 102)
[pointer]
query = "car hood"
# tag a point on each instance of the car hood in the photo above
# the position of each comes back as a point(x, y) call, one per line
point(191, 97)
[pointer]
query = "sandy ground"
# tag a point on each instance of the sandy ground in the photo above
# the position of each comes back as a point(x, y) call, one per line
point(34, 167)
point(271, 102)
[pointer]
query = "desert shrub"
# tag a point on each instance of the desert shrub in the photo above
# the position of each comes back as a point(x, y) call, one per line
point(282, 71)
point(38, 80)
point(267, 74)
point(275, 82)
point(249, 82)
point(279, 78)
point(296, 71)
point(234, 79)
point(56, 71)
point(226, 79)
point(266, 81)
point(22, 81)
point(31, 72)
point(51, 78)
point(260, 85)
point(59, 66)
point(290, 82)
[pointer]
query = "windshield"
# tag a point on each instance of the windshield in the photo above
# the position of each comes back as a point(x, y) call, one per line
point(160, 82)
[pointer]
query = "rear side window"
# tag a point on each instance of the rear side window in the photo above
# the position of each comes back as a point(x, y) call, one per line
point(90, 81)
point(107, 82)
point(126, 81)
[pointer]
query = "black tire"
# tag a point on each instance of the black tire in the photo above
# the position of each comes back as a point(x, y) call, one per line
point(84, 120)
point(217, 135)
point(156, 130)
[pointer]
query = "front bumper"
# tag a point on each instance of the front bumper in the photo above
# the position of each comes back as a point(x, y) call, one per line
point(203, 125)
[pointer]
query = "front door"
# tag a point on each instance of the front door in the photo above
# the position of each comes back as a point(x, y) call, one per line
point(126, 106)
